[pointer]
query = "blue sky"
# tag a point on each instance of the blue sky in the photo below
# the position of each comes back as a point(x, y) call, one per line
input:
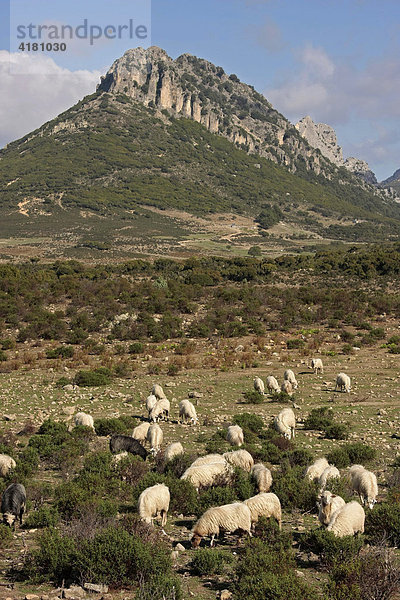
point(336, 60)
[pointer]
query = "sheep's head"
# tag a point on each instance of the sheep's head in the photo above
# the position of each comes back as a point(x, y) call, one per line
point(196, 539)
point(371, 503)
point(8, 519)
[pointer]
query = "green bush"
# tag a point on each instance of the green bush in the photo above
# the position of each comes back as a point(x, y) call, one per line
point(383, 523)
point(351, 454)
point(338, 457)
point(184, 497)
point(331, 549)
point(136, 348)
point(3, 356)
point(97, 377)
point(210, 561)
point(6, 536)
point(336, 431)
point(347, 349)
point(294, 344)
point(105, 427)
point(45, 516)
point(253, 397)
point(269, 452)
point(61, 352)
point(299, 456)
point(319, 418)
point(249, 421)
point(293, 490)
point(215, 496)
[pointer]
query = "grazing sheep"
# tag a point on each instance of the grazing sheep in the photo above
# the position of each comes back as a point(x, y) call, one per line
point(150, 402)
point(240, 458)
point(265, 505)
point(315, 470)
point(140, 432)
point(13, 504)
point(154, 502)
point(235, 435)
point(155, 437)
point(287, 387)
point(173, 450)
point(328, 504)
point(84, 419)
point(157, 391)
point(285, 423)
point(316, 365)
point(160, 409)
point(126, 443)
point(207, 475)
point(290, 376)
point(259, 385)
point(208, 459)
point(6, 464)
point(273, 385)
point(262, 476)
point(330, 472)
point(229, 518)
point(364, 483)
point(187, 412)
point(347, 520)
point(343, 383)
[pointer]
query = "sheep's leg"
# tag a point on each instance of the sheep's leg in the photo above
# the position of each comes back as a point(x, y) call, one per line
point(212, 540)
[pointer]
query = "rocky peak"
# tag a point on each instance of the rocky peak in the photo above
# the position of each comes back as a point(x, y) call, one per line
point(361, 169)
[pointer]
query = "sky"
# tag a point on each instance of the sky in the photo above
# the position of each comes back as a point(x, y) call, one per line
point(335, 60)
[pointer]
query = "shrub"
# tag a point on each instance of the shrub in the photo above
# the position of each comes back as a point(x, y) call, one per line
point(339, 458)
point(383, 523)
point(348, 349)
point(293, 490)
point(184, 498)
point(105, 427)
point(45, 516)
point(300, 457)
point(359, 452)
point(6, 536)
point(331, 549)
point(60, 352)
point(268, 452)
point(294, 344)
point(210, 561)
point(336, 431)
point(178, 465)
point(242, 484)
point(249, 421)
point(215, 496)
point(97, 377)
point(253, 397)
point(319, 418)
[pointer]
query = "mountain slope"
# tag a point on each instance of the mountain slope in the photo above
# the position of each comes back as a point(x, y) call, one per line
point(393, 181)
point(115, 151)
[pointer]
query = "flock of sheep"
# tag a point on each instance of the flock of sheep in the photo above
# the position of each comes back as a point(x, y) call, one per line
point(216, 469)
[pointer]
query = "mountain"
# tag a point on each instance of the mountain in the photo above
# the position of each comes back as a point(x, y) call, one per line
point(161, 135)
point(393, 181)
point(323, 137)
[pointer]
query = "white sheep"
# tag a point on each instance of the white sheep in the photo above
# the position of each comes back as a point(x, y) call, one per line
point(365, 484)
point(161, 408)
point(262, 476)
point(273, 385)
point(207, 475)
point(150, 402)
point(285, 423)
point(208, 459)
point(154, 501)
point(84, 419)
point(315, 470)
point(140, 432)
point(316, 365)
point(229, 518)
point(173, 450)
point(116, 459)
point(265, 505)
point(343, 383)
point(347, 520)
point(330, 472)
point(328, 504)
point(290, 376)
point(155, 437)
point(187, 412)
point(259, 385)
point(287, 387)
point(157, 391)
point(6, 464)
point(240, 458)
point(235, 435)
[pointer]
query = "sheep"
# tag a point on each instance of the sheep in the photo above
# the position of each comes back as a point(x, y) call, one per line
point(187, 412)
point(315, 470)
point(235, 435)
point(240, 458)
point(155, 437)
point(328, 504)
point(229, 518)
point(316, 365)
point(364, 483)
point(125, 443)
point(330, 472)
point(173, 450)
point(265, 505)
point(285, 423)
point(343, 383)
point(207, 475)
point(150, 402)
point(347, 520)
point(273, 385)
point(13, 504)
point(287, 387)
point(154, 501)
point(262, 476)
point(208, 459)
point(259, 385)
point(6, 464)
point(290, 376)
point(84, 419)
point(140, 432)
point(161, 408)
point(118, 457)
point(157, 391)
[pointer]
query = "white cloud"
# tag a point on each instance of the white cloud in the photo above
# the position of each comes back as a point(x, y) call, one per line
point(29, 100)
